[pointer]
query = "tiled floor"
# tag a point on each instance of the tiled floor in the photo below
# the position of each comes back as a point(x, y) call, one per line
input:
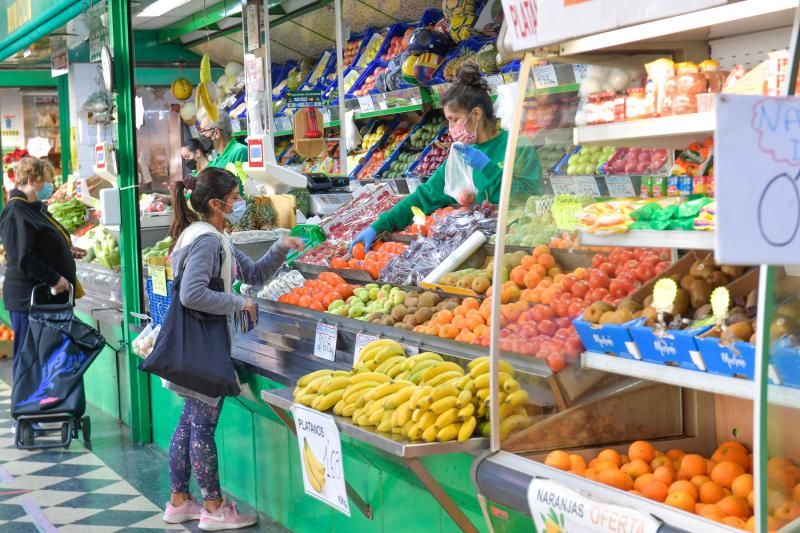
point(112, 485)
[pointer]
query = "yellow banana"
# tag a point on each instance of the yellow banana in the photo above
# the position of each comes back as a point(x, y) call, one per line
point(483, 368)
point(440, 368)
point(415, 360)
point(396, 369)
point(312, 479)
point(482, 394)
point(475, 362)
point(399, 397)
point(342, 373)
point(414, 432)
point(464, 383)
point(446, 418)
point(369, 376)
point(315, 470)
point(306, 399)
point(416, 373)
point(387, 353)
point(482, 381)
point(425, 402)
point(448, 433)
point(429, 435)
point(512, 423)
point(417, 414)
point(444, 377)
point(467, 429)
point(372, 349)
point(308, 378)
point(205, 69)
point(403, 414)
point(426, 420)
point(419, 393)
point(339, 407)
point(463, 399)
point(385, 424)
point(486, 429)
point(516, 398)
point(349, 409)
point(389, 363)
point(335, 384)
point(466, 411)
point(447, 389)
point(390, 388)
point(354, 391)
point(329, 400)
point(440, 406)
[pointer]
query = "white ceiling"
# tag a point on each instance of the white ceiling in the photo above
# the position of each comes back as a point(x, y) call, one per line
point(171, 17)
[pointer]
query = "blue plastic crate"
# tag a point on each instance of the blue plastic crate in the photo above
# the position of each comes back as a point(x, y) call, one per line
point(473, 44)
point(786, 360)
point(413, 167)
point(158, 304)
point(674, 348)
point(737, 360)
point(612, 339)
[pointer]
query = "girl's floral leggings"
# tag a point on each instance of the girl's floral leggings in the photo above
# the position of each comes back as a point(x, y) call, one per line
point(193, 449)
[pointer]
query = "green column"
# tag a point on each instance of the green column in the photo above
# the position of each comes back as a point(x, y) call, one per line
point(63, 112)
point(121, 35)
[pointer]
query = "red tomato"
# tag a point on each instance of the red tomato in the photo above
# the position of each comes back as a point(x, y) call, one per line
point(556, 362)
point(573, 348)
point(561, 307)
point(547, 328)
point(598, 278)
point(608, 268)
point(645, 271)
point(562, 334)
point(541, 312)
point(624, 256)
point(575, 309)
point(564, 322)
point(650, 259)
point(598, 259)
point(595, 295)
point(568, 282)
point(631, 264)
point(580, 288)
point(662, 266)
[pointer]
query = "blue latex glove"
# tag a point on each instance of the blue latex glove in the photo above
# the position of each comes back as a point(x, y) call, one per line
point(367, 236)
point(472, 156)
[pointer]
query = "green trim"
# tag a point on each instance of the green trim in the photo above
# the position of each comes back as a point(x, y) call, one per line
point(26, 78)
point(41, 26)
point(223, 33)
point(761, 392)
point(204, 19)
point(155, 76)
point(121, 36)
point(390, 111)
point(63, 123)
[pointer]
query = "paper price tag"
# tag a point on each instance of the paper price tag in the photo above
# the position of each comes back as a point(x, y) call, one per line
point(321, 457)
point(562, 185)
point(620, 186)
point(362, 339)
point(586, 186)
point(495, 80)
point(325, 341)
point(159, 275)
point(366, 104)
point(580, 72)
point(545, 76)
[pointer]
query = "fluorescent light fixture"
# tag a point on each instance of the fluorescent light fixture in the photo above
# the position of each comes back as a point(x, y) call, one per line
point(160, 7)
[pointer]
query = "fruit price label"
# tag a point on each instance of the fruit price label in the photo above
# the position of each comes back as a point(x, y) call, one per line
point(562, 185)
point(325, 341)
point(321, 457)
point(362, 339)
point(366, 104)
point(555, 507)
point(586, 186)
point(545, 77)
point(159, 275)
point(620, 186)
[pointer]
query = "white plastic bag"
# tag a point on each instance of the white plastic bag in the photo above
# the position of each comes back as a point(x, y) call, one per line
point(458, 182)
point(353, 138)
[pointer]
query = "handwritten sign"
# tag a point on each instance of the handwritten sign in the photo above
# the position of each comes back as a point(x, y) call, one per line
point(325, 341)
point(366, 104)
point(757, 150)
point(586, 186)
point(579, 71)
point(545, 76)
point(159, 275)
point(321, 457)
point(562, 185)
point(555, 507)
point(620, 186)
point(362, 339)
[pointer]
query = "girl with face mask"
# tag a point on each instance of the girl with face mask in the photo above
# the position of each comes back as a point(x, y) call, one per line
point(195, 154)
point(203, 250)
point(470, 113)
point(38, 248)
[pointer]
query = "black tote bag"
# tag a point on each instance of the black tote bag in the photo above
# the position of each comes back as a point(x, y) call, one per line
point(193, 349)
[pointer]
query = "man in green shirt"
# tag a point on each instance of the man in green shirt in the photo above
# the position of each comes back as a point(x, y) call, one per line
point(220, 133)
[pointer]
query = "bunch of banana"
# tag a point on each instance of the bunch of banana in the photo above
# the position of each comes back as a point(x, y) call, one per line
point(413, 368)
point(321, 390)
point(314, 468)
point(382, 355)
point(512, 398)
point(206, 97)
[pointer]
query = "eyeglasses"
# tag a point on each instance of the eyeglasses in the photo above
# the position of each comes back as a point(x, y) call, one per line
point(207, 130)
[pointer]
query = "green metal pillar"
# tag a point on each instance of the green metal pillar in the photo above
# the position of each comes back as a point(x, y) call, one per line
point(64, 125)
point(121, 36)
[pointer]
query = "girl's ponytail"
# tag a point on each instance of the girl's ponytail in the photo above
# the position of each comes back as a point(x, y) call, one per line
point(183, 214)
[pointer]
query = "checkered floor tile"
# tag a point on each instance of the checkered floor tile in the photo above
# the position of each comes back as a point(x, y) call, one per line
point(66, 490)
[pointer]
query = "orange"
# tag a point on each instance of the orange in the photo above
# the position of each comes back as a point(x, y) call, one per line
point(731, 454)
point(546, 260)
point(532, 279)
point(558, 459)
point(590, 474)
point(577, 464)
point(726, 472)
point(611, 456)
point(698, 481)
point(693, 465)
point(742, 485)
point(684, 486)
point(443, 317)
point(527, 262)
point(641, 481)
point(733, 444)
point(734, 521)
point(517, 275)
point(625, 458)
point(605, 465)
point(664, 474)
point(710, 466)
point(460, 311)
point(637, 467)
point(675, 454)
point(554, 273)
point(681, 500)
point(655, 490)
point(540, 249)
point(796, 493)
point(787, 511)
point(781, 480)
point(539, 269)
point(471, 303)
point(772, 524)
point(660, 460)
point(474, 321)
point(711, 512)
point(710, 492)
point(643, 450)
point(734, 506)
point(449, 331)
point(615, 478)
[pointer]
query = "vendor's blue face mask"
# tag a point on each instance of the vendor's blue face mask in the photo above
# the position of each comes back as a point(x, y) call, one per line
point(239, 207)
point(46, 192)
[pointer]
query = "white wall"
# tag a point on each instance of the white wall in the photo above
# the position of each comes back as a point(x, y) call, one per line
point(85, 79)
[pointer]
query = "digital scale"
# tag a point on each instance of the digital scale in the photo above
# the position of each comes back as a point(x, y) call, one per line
point(262, 167)
point(328, 193)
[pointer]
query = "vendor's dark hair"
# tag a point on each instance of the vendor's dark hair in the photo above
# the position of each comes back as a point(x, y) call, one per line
point(195, 145)
point(210, 183)
point(470, 91)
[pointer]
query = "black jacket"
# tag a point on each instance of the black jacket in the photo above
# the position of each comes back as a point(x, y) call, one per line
point(38, 250)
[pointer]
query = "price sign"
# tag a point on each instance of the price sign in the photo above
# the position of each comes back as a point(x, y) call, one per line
point(562, 185)
point(580, 72)
point(325, 341)
point(299, 99)
point(555, 507)
point(362, 339)
point(586, 186)
point(545, 76)
point(620, 186)
point(159, 276)
point(321, 457)
point(412, 184)
point(366, 104)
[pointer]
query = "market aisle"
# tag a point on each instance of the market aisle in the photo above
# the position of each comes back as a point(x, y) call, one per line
point(114, 486)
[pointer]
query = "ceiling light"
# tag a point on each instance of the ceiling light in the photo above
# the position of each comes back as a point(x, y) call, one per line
point(160, 7)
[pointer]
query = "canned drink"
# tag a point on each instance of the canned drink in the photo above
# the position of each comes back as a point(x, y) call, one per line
point(672, 186)
point(659, 186)
point(709, 181)
point(646, 189)
point(699, 185)
point(685, 184)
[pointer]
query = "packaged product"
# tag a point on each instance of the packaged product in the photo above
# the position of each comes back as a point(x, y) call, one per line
point(706, 220)
point(606, 217)
point(714, 76)
point(658, 74)
point(694, 160)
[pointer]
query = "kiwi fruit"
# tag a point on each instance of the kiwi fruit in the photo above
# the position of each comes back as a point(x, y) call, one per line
point(702, 268)
point(441, 306)
point(732, 271)
point(650, 315)
point(595, 311)
point(687, 280)
point(411, 310)
point(428, 299)
point(412, 300)
point(630, 305)
point(624, 315)
point(741, 330)
point(609, 317)
point(422, 315)
point(409, 319)
point(699, 293)
point(717, 279)
point(404, 325)
point(465, 282)
point(681, 303)
point(399, 312)
point(481, 284)
point(388, 321)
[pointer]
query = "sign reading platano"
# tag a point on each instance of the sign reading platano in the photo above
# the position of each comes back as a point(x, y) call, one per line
point(17, 14)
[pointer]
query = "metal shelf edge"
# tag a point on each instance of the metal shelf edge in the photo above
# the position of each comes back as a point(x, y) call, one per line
point(686, 240)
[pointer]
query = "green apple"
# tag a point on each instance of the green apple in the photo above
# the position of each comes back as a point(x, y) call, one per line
point(388, 288)
point(387, 306)
point(340, 311)
point(336, 304)
point(399, 297)
point(373, 293)
point(371, 286)
point(362, 294)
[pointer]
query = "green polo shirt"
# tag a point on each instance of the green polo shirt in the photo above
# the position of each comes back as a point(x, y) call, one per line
point(233, 153)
